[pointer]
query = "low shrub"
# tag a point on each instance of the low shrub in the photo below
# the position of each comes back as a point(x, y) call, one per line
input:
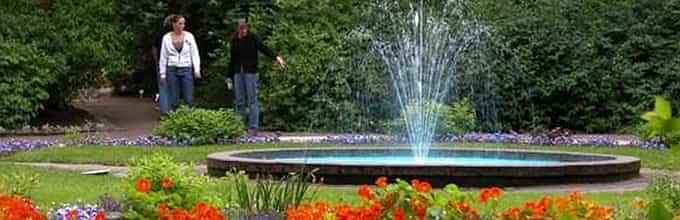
point(200, 126)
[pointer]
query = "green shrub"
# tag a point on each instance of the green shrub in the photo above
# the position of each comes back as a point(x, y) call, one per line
point(200, 126)
point(661, 123)
point(26, 73)
point(183, 189)
point(608, 58)
point(328, 68)
point(83, 34)
point(666, 189)
point(457, 119)
point(460, 118)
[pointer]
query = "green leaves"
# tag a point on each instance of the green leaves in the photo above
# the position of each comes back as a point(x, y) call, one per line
point(200, 126)
point(26, 73)
point(661, 123)
point(657, 211)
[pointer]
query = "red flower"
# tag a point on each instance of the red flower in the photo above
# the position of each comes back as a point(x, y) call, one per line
point(366, 192)
point(166, 183)
point(490, 193)
point(101, 215)
point(399, 214)
point(143, 185)
point(421, 186)
point(381, 182)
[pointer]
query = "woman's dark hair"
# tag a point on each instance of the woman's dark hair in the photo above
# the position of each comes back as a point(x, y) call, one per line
point(171, 19)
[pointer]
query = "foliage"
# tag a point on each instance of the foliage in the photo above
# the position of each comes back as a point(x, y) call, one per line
point(18, 184)
point(200, 126)
point(585, 65)
point(158, 181)
point(82, 37)
point(661, 123)
point(94, 45)
point(268, 195)
point(26, 73)
point(459, 118)
point(52, 49)
point(319, 41)
point(665, 189)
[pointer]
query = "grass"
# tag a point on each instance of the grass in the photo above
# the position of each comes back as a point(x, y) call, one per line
point(654, 159)
point(62, 186)
point(56, 187)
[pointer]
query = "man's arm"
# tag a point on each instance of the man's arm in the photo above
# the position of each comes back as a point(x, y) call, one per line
point(263, 48)
point(232, 58)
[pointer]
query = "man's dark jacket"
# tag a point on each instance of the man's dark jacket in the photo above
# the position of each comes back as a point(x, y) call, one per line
point(244, 54)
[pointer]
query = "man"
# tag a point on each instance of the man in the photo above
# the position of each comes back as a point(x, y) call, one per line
point(243, 67)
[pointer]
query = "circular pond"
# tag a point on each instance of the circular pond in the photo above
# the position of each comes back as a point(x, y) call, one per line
point(462, 166)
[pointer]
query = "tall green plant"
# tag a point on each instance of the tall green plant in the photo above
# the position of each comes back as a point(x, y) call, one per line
point(268, 195)
point(661, 123)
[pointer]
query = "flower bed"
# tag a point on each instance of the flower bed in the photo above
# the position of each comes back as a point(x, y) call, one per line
point(17, 144)
point(401, 201)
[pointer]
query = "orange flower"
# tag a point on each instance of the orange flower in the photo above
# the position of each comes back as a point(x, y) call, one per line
point(597, 213)
point(381, 182)
point(537, 209)
point(163, 209)
point(513, 213)
point(179, 214)
point(307, 211)
point(421, 186)
point(366, 192)
point(419, 207)
point(166, 183)
point(143, 185)
point(204, 211)
point(13, 207)
point(490, 193)
point(72, 215)
point(101, 215)
point(399, 214)
point(463, 207)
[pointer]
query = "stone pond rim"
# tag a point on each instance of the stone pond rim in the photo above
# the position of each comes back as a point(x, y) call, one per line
point(571, 168)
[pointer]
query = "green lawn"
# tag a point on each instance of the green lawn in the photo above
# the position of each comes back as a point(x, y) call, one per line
point(669, 160)
point(56, 186)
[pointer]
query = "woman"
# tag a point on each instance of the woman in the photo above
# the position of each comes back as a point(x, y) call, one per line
point(179, 61)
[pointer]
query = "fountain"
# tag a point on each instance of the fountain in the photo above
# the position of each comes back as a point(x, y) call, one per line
point(423, 54)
